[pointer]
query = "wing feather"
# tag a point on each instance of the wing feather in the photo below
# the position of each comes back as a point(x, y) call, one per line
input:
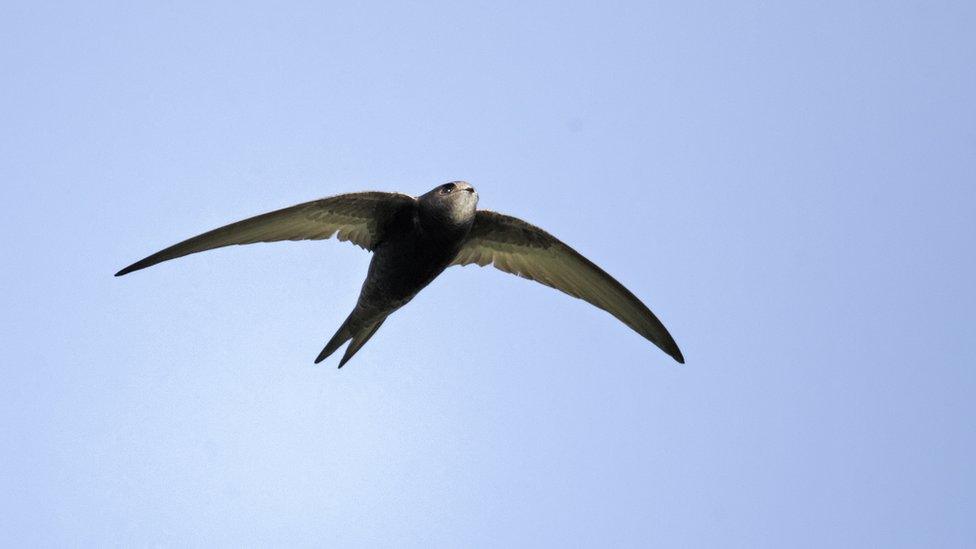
point(522, 249)
point(356, 217)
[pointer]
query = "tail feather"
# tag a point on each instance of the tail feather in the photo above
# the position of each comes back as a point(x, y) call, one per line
point(360, 339)
point(358, 334)
point(341, 336)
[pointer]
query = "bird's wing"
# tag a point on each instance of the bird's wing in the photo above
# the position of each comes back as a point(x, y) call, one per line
point(357, 217)
point(516, 247)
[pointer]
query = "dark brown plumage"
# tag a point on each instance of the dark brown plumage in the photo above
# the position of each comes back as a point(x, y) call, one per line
point(413, 240)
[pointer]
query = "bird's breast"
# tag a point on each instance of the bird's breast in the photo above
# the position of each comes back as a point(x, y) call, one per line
point(401, 267)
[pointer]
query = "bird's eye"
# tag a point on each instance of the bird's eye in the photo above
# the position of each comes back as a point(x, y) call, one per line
point(448, 189)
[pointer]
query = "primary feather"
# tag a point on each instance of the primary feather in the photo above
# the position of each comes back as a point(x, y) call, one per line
point(522, 249)
point(356, 217)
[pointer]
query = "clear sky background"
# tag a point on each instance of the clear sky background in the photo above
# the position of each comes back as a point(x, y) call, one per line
point(791, 187)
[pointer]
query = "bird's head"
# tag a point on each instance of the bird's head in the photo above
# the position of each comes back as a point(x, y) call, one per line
point(454, 203)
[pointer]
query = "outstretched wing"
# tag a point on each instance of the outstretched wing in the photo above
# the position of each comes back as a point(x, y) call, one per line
point(357, 217)
point(516, 247)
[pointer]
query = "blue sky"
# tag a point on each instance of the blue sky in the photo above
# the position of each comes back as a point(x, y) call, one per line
point(789, 186)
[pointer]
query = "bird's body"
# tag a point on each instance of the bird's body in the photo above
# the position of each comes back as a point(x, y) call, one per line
point(414, 240)
point(417, 247)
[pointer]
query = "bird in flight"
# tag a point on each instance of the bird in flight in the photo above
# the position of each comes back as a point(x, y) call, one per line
point(413, 240)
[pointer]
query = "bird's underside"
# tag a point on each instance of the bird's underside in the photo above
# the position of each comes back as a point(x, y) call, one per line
point(413, 240)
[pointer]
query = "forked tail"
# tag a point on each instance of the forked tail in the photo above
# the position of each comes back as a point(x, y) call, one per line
point(358, 333)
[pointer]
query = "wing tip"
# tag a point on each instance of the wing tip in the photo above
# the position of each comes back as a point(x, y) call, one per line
point(677, 356)
point(670, 347)
point(137, 266)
